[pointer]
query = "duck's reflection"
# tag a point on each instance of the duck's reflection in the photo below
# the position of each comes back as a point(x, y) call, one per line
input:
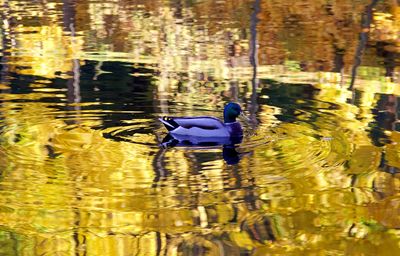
point(229, 153)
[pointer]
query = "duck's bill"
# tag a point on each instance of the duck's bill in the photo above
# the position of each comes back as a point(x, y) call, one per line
point(243, 117)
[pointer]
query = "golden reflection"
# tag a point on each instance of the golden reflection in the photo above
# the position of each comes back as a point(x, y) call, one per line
point(82, 171)
point(45, 50)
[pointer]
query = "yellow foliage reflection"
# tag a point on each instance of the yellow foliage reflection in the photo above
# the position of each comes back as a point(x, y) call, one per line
point(82, 170)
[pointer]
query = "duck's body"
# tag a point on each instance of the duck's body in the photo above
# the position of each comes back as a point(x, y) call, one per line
point(201, 126)
point(205, 126)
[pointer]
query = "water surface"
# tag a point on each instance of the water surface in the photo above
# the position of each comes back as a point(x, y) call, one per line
point(83, 83)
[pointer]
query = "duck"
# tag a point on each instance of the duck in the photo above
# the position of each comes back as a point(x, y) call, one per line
point(200, 129)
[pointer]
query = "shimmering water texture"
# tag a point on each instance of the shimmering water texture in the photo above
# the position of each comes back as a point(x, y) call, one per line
point(86, 168)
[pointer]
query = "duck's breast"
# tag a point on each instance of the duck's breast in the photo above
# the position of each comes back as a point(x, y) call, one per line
point(234, 129)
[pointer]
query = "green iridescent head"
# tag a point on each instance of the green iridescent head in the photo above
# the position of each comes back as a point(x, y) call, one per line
point(231, 111)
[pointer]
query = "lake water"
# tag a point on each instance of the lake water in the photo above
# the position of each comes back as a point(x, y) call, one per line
point(82, 168)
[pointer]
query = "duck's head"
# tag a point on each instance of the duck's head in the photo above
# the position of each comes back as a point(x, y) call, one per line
point(231, 111)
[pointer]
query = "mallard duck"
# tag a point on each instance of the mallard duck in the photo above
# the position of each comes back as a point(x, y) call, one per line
point(206, 127)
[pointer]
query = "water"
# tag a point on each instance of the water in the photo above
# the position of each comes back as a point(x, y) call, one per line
point(83, 84)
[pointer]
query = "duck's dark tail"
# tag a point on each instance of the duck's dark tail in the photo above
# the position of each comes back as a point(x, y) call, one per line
point(169, 123)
